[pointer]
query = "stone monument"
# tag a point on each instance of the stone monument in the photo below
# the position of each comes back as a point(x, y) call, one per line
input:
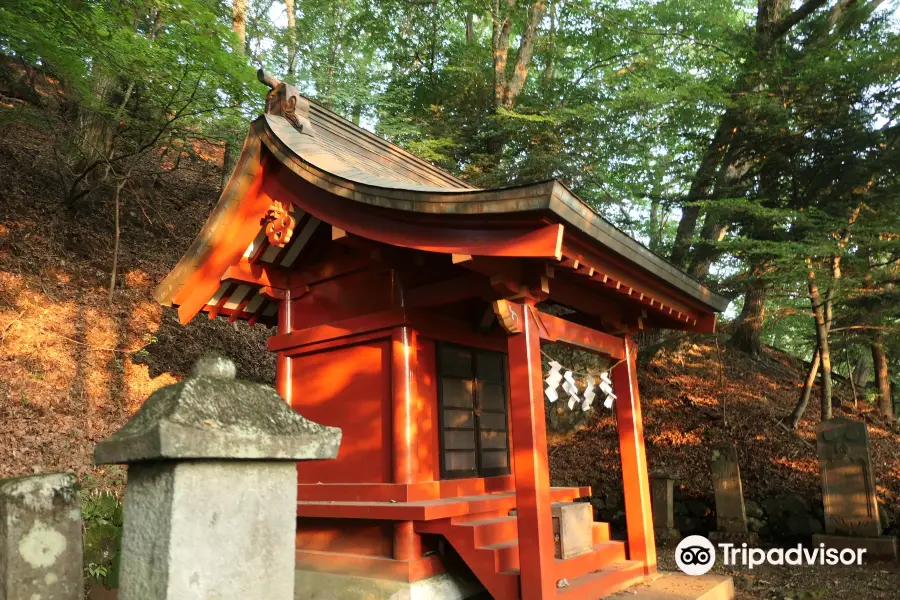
point(848, 490)
point(731, 514)
point(662, 502)
point(40, 538)
point(211, 500)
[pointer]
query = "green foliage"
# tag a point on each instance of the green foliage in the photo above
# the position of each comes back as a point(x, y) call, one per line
point(102, 515)
point(127, 79)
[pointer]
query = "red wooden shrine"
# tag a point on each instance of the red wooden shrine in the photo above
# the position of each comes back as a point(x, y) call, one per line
point(410, 309)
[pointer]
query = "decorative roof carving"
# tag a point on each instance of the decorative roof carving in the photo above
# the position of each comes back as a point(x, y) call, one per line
point(279, 224)
point(284, 100)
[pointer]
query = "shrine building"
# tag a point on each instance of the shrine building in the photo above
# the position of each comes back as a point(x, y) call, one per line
point(410, 308)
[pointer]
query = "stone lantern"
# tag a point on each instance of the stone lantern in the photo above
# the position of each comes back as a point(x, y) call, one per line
point(211, 500)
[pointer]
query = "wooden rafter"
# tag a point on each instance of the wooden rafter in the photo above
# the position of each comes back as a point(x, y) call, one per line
point(260, 274)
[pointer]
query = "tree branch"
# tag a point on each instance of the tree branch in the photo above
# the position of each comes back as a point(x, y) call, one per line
point(790, 21)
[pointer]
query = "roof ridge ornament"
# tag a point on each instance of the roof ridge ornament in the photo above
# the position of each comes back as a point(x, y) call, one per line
point(284, 100)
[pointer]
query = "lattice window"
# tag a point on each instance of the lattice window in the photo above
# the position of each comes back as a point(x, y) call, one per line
point(473, 412)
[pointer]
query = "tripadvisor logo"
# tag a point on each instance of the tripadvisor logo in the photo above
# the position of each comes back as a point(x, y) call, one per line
point(696, 555)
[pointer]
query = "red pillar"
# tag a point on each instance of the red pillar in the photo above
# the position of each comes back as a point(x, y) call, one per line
point(635, 480)
point(403, 363)
point(283, 383)
point(407, 543)
point(529, 444)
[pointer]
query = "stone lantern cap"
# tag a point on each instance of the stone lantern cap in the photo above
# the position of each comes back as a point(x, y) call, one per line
point(211, 415)
point(663, 474)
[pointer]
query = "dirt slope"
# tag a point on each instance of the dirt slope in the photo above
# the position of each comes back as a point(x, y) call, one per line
point(75, 362)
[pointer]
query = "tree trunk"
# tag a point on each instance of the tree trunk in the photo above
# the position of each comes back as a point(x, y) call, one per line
point(701, 188)
point(290, 7)
point(551, 46)
point(523, 56)
point(861, 371)
point(805, 394)
point(819, 311)
point(506, 91)
point(501, 27)
point(229, 162)
point(713, 231)
point(654, 232)
point(748, 330)
point(882, 376)
point(239, 21)
point(773, 21)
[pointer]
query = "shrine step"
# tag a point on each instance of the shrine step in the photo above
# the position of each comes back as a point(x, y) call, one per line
point(604, 554)
point(506, 556)
point(489, 545)
point(600, 532)
point(603, 582)
point(487, 532)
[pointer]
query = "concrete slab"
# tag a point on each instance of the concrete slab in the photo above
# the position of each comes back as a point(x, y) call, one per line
point(678, 586)
point(311, 585)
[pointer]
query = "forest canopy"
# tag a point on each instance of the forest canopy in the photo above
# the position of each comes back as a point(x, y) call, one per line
point(753, 144)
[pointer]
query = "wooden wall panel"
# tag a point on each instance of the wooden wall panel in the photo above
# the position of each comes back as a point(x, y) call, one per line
point(348, 387)
point(345, 297)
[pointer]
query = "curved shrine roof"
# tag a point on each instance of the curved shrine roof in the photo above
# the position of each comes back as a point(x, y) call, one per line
point(350, 163)
point(353, 163)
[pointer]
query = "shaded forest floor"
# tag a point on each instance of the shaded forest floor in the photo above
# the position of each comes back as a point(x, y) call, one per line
point(807, 582)
point(75, 362)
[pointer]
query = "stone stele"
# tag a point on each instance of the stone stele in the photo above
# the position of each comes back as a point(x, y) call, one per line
point(40, 538)
point(848, 481)
point(731, 514)
point(662, 500)
point(848, 491)
point(211, 500)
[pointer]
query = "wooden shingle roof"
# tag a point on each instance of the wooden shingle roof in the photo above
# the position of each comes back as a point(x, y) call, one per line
point(402, 196)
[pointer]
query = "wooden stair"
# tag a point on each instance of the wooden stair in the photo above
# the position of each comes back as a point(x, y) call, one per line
point(489, 545)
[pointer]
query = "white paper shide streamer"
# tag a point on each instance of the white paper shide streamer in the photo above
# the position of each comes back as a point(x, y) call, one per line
point(553, 380)
point(560, 375)
point(607, 390)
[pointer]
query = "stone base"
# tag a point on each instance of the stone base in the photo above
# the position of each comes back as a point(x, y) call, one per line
point(667, 538)
point(877, 548)
point(313, 585)
point(734, 537)
point(677, 586)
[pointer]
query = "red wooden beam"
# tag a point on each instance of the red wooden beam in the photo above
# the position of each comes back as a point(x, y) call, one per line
point(635, 480)
point(259, 273)
point(403, 400)
point(240, 309)
point(214, 311)
point(338, 329)
point(582, 299)
point(447, 291)
point(555, 329)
